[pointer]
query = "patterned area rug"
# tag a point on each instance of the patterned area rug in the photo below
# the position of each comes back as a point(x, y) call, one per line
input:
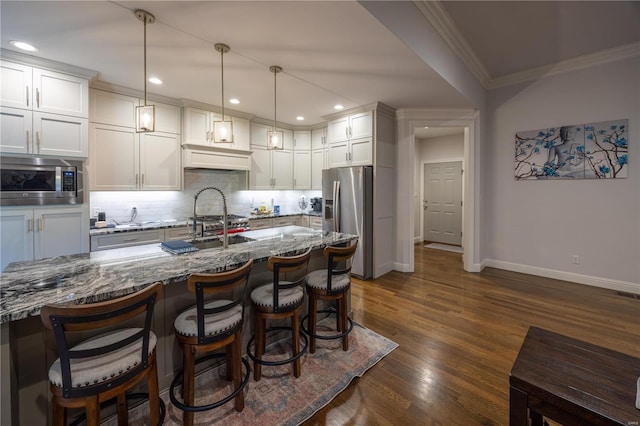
point(447, 247)
point(279, 398)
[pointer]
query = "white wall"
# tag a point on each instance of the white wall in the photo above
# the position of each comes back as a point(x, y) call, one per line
point(536, 226)
point(433, 150)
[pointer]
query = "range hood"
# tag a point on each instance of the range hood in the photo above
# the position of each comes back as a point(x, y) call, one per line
point(215, 158)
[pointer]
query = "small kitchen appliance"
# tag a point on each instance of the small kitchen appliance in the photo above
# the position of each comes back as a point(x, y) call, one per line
point(316, 204)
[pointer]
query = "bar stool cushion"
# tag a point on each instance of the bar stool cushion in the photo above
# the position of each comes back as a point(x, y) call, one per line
point(186, 323)
point(318, 280)
point(98, 369)
point(263, 295)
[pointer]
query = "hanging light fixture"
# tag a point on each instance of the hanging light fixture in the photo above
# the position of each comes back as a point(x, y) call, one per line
point(222, 130)
point(145, 114)
point(275, 139)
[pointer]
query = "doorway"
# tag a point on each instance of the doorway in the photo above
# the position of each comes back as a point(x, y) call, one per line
point(442, 202)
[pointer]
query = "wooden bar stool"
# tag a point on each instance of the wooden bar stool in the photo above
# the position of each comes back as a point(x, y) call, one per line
point(214, 322)
point(108, 365)
point(332, 284)
point(283, 298)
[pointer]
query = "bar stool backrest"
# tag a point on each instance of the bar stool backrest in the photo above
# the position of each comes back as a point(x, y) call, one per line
point(230, 286)
point(295, 270)
point(339, 263)
point(65, 320)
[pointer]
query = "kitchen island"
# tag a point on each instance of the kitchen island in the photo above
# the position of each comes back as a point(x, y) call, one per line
point(28, 349)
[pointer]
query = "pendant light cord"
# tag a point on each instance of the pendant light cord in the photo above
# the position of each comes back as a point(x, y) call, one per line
point(222, 66)
point(145, 60)
point(275, 94)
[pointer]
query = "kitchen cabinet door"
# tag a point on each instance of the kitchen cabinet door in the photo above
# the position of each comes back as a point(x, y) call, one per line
point(318, 138)
point(241, 134)
point(338, 130)
point(16, 88)
point(260, 224)
point(113, 162)
point(302, 139)
point(361, 152)
point(318, 157)
point(197, 127)
point(361, 125)
point(260, 174)
point(302, 170)
point(112, 108)
point(60, 135)
point(59, 93)
point(338, 154)
point(282, 169)
point(17, 134)
point(167, 118)
point(60, 231)
point(160, 165)
point(16, 244)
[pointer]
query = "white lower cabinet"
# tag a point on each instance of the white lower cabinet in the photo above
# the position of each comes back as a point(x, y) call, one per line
point(315, 222)
point(282, 221)
point(260, 224)
point(124, 160)
point(38, 233)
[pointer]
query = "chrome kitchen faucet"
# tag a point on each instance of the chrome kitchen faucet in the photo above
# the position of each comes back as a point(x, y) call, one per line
point(225, 224)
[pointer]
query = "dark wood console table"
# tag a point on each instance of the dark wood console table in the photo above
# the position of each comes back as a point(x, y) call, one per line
point(572, 382)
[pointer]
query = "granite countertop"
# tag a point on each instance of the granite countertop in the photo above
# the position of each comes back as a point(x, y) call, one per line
point(95, 276)
point(270, 215)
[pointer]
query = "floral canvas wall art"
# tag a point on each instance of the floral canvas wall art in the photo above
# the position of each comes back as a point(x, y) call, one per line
point(582, 151)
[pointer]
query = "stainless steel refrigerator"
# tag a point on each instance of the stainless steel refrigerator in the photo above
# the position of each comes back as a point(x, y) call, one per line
point(347, 207)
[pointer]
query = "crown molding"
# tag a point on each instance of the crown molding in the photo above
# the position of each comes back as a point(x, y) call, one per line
point(437, 16)
point(574, 64)
point(49, 64)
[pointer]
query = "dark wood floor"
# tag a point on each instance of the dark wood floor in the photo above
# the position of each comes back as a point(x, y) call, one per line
point(459, 334)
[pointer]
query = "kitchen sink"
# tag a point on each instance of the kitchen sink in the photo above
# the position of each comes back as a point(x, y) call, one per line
point(216, 243)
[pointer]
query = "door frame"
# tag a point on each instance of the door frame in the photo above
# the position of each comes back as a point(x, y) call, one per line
point(407, 120)
point(424, 163)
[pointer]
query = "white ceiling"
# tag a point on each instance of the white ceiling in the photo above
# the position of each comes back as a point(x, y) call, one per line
point(331, 52)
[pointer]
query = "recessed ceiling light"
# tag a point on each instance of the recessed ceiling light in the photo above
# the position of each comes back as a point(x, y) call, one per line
point(234, 101)
point(426, 127)
point(155, 80)
point(299, 118)
point(338, 107)
point(23, 45)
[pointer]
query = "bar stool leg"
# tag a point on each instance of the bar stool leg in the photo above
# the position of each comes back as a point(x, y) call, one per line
point(237, 370)
point(229, 359)
point(295, 341)
point(93, 411)
point(123, 414)
point(345, 323)
point(59, 413)
point(260, 346)
point(311, 322)
point(154, 395)
point(188, 363)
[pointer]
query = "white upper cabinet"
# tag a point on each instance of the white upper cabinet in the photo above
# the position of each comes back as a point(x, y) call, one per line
point(43, 112)
point(319, 138)
point(120, 110)
point(302, 139)
point(271, 169)
point(198, 130)
point(351, 140)
point(16, 85)
point(259, 136)
point(302, 169)
point(160, 167)
point(58, 93)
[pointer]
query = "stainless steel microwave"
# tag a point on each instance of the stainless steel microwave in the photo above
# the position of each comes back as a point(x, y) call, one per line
point(40, 181)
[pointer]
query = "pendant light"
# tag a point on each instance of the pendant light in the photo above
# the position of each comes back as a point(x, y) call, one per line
point(275, 139)
point(145, 114)
point(222, 130)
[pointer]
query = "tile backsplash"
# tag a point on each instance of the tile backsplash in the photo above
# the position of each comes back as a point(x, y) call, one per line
point(157, 205)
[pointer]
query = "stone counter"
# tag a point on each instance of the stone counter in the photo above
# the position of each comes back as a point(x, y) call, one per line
point(96, 276)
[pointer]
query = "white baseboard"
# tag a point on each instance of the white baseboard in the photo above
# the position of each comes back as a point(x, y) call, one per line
point(380, 270)
point(402, 267)
point(417, 240)
point(610, 284)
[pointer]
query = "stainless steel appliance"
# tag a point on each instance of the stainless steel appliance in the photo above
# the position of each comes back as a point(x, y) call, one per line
point(213, 224)
point(347, 200)
point(316, 204)
point(40, 181)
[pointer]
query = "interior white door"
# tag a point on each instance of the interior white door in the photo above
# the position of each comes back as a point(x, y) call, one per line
point(442, 202)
